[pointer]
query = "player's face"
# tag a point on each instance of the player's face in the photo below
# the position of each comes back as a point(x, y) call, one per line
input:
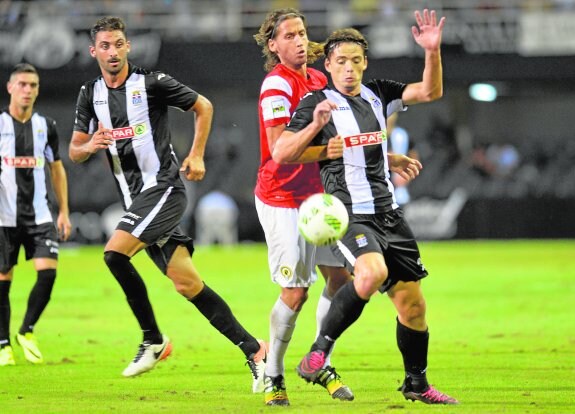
point(290, 43)
point(346, 64)
point(23, 89)
point(111, 51)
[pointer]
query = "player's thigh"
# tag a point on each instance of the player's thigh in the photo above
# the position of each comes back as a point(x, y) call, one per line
point(10, 242)
point(181, 269)
point(291, 259)
point(41, 242)
point(154, 213)
point(43, 263)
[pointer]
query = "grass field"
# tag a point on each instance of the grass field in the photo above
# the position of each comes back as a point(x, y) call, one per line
point(500, 313)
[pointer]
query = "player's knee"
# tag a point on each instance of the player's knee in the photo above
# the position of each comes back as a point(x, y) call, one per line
point(294, 298)
point(185, 284)
point(114, 259)
point(370, 278)
point(335, 279)
point(46, 279)
point(413, 312)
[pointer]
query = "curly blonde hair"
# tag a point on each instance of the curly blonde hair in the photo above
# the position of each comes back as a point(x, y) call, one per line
point(268, 30)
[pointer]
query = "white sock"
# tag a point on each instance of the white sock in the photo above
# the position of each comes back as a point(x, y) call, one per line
point(323, 305)
point(282, 325)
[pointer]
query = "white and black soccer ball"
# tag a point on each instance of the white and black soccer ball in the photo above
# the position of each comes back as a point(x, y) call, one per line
point(322, 219)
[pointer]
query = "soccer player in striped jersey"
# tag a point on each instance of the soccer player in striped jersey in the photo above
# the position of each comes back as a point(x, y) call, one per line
point(280, 190)
point(124, 113)
point(28, 143)
point(379, 247)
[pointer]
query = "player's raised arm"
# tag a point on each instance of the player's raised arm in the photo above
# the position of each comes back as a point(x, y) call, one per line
point(427, 34)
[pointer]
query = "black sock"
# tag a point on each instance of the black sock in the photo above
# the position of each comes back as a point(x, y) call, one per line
point(136, 294)
point(346, 306)
point(38, 299)
point(5, 312)
point(217, 311)
point(413, 346)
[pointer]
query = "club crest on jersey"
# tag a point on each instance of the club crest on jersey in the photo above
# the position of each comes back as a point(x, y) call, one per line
point(136, 98)
point(128, 132)
point(376, 103)
point(361, 240)
point(366, 138)
point(23, 162)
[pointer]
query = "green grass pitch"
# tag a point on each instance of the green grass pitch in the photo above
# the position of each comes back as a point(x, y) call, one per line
point(500, 313)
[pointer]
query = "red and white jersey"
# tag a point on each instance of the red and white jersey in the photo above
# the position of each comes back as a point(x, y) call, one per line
point(285, 185)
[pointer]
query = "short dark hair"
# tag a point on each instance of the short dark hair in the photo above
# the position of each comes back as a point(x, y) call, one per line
point(108, 24)
point(23, 68)
point(349, 35)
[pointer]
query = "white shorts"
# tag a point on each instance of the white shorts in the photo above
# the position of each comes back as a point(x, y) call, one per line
point(291, 259)
point(324, 256)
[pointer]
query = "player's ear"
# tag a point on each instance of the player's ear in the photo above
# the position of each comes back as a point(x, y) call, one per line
point(128, 45)
point(272, 46)
point(92, 51)
point(326, 64)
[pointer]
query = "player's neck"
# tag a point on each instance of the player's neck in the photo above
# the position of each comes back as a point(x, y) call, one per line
point(114, 80)
point(301, 70)
point(21, 114)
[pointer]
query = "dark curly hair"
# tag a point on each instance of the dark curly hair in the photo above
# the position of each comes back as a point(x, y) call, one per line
point(268, 31)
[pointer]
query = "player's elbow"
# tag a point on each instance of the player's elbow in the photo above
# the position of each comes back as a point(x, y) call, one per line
point(280, 156)
point(77, 156)
point(432, 95)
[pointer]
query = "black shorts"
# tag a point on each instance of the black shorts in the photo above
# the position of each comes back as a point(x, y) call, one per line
point(388, 234)
point(153, 218)
point(39, 241)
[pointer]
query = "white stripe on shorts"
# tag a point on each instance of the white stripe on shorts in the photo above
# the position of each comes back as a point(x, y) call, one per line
point(142, 226)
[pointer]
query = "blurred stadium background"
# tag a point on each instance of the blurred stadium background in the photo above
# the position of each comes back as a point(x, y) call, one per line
point(496, 165)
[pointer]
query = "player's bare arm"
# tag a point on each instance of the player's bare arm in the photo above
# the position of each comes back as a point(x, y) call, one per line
point(290, 146)
point(427, 34)
point(83, 145)
point(60, 185)
point(315, 153)
point(193, 166)
point(407, 168)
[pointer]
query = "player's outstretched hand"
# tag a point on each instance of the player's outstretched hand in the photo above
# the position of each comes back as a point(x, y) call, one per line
point(408, 168)
point(427, 33)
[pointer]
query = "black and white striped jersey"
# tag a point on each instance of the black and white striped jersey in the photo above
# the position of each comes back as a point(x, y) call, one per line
point(25, 148)
point(137, 112)
point(361, 177)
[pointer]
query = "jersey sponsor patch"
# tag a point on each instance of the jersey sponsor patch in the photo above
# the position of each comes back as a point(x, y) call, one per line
point(23, 162)
point(128, 132)
point(279, 109)
point(367, 138)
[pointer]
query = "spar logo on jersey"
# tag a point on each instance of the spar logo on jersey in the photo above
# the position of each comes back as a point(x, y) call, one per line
point(23, 162)
point(133, 131)
point(367, 138)
point(136, 98)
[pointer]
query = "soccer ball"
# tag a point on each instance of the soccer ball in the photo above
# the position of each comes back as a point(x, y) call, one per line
point(322, 219)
